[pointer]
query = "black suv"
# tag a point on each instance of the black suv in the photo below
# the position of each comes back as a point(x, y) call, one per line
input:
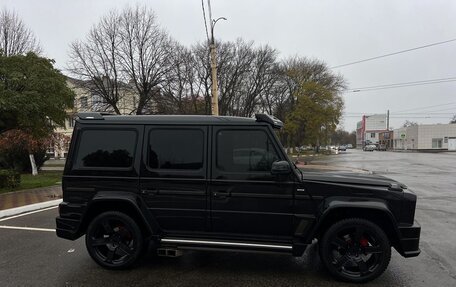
point(223, 183)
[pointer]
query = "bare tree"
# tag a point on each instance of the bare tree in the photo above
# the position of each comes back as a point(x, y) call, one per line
point(126, 53)
point(145, 53)
point(202, 67)
point(234, 63)
point(182, 93)
point(15, 37)
point(127, 50)
point(95, 61)
point(259, 81)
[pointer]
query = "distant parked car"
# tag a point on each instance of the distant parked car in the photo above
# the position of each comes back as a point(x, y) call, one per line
point(342, 148)
point(381, 147)
point(332, 149)
point(370, 147)
point(349, 146)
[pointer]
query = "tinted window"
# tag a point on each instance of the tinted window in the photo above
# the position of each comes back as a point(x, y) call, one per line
point(176, 149)
point(106, 148)
point(244, 151)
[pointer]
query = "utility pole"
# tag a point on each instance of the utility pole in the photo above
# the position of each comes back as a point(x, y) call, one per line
point(214, 102)
point(388, 120)
point(214, 89)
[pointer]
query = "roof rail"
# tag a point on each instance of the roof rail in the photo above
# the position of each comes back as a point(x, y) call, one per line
point(273, 121)
point(92, 116)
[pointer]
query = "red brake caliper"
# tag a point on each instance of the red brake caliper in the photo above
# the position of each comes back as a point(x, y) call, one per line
point(363, 242)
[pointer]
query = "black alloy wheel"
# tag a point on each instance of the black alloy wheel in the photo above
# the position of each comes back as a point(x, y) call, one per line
point(114, 240)
point(355, 250)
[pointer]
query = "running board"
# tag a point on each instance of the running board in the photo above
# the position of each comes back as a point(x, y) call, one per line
point(226, 244)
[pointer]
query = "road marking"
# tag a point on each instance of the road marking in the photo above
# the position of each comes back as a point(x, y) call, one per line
point(28, 213)
point(26, 228)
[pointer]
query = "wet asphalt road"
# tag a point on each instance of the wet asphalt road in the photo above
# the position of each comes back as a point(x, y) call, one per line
point(39, 258)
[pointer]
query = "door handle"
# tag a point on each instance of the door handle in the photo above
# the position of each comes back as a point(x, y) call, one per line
point(220, 193)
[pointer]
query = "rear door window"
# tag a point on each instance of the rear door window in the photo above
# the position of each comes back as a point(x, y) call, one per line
point(176, 149)
point(106, 149)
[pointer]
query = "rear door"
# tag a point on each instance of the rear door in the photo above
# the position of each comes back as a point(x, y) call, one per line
point(246, 200)
point(173, 177)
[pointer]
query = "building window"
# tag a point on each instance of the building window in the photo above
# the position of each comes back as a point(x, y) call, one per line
point(83, 102)
point(445, 140)
point(372, 135)
point(436, 143)
point(50, 149)
point(97, 103)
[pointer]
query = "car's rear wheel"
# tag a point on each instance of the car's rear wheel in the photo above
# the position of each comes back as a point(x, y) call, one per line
point(355, 250)
point(114, 240)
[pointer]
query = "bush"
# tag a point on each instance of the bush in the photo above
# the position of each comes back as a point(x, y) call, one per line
point(18, 159)
point(15, 146)
point(9, 178)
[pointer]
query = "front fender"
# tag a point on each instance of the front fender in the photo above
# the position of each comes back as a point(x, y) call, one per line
point(333, 203)
point(336, 208)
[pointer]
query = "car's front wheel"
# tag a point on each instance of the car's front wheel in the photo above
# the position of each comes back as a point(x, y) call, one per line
point(114, 240)
point(355, 250)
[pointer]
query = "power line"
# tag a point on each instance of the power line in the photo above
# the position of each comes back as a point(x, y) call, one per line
point(426, 107)
point(205, 20)
point(406, 83)
point(411, 117)
point(394, 53)
point(210, 10)
point(401, 85)
point(422, 113)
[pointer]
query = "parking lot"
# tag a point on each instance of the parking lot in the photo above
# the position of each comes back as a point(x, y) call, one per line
point(32, 255)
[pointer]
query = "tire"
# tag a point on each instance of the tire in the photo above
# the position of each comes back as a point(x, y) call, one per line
point(355, 250)
point(114, 240)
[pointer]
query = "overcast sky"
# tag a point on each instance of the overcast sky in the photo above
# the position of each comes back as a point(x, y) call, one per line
point(336, 32)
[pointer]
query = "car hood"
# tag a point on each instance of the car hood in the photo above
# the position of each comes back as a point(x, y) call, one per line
point(354, 179)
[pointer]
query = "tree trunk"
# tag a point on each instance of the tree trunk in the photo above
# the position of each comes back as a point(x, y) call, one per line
point(33, 164)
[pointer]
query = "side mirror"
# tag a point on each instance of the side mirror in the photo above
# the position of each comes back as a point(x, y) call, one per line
point(280, 168)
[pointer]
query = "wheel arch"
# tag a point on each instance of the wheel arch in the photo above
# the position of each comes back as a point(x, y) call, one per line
point(130, 204)
point(374, 211)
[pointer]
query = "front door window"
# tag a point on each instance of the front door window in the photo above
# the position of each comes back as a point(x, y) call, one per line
point(250, 152)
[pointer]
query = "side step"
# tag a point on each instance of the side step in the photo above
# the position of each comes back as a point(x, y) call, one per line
point(227, 244)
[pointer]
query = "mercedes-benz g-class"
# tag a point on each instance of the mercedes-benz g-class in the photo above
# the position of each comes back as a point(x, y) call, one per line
point(223, 183)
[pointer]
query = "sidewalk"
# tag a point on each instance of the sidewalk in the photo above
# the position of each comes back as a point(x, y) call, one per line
point(29, 196)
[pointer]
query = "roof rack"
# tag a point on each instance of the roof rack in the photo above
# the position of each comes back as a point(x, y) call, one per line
point(93, 116)
point(273, 121)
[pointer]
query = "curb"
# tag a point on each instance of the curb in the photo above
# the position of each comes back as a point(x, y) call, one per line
point(28, 208)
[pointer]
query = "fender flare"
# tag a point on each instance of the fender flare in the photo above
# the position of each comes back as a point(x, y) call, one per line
point(133, 200)
point(337, 203)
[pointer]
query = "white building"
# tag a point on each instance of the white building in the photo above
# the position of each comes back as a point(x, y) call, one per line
point(369, 128)
point(426, 137)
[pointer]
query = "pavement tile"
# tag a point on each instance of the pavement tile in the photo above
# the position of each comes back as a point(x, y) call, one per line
point(29, 196)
